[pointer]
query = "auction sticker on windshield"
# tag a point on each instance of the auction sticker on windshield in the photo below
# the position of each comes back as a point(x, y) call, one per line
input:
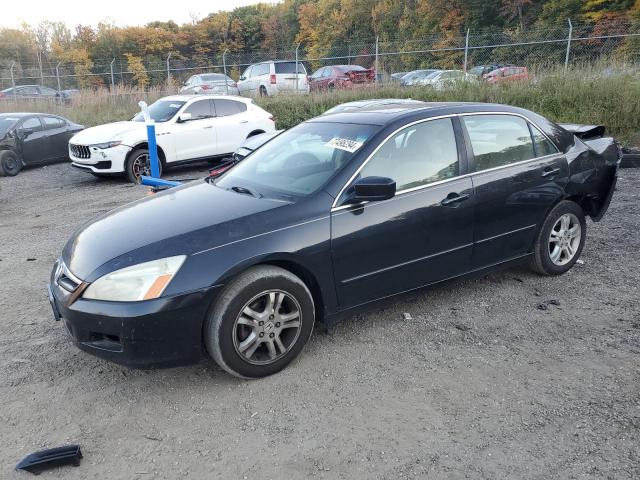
point(344, 144)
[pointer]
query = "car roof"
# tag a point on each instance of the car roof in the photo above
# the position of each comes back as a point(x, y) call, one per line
point(386, 114)
point(21, 114)
point(186, 98)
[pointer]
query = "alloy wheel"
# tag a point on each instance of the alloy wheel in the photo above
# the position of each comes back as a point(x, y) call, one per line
point(267, 327)
point(564, 239)
point(141, 165)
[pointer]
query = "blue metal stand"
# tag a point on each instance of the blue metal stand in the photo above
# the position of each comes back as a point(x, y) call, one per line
point(153, 150)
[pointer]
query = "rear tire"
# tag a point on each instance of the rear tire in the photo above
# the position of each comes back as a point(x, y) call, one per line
point(560, 240)
point(260, 322)
point(138, 164)
point(263, 91)
point(10, 164)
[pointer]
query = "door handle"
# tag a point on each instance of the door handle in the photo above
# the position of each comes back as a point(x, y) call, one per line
point(244, 121)
point(550, 172)
point(208, 126)
point(454, 198)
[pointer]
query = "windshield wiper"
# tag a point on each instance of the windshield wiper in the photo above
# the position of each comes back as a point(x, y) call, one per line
point(243, 190)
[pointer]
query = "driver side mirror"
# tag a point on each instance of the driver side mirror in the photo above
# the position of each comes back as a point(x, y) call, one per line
point(184, 117)
point(374, 189)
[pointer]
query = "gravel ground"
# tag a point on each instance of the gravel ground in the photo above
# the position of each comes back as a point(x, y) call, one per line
point(508, 376)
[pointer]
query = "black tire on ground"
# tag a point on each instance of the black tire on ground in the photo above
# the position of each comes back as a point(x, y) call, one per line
point(138, 164)
point(542, 262)
point(10, 164)
point(263, 91)
point(221, 333)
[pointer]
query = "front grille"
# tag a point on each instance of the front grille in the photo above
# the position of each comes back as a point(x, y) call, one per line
point(80, 151)
point(65, 278)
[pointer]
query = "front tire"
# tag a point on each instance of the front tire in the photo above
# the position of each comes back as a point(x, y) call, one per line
point(260, 322)
point(560, 240)
point(10, 164)
point(138, 163)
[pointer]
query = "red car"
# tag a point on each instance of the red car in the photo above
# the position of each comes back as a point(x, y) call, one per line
point(340, 76)
point(507, 74)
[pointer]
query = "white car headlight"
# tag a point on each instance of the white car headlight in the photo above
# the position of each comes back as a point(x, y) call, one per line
point(144, 281)
point(105, 145)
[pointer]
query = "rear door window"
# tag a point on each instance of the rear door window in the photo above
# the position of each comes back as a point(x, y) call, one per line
point(225, 108)
point(542, 144)
point(498, 140)
point(261, 69)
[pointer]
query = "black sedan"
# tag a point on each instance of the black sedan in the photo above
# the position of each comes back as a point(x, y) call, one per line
point(33, 139)
point(328, 217)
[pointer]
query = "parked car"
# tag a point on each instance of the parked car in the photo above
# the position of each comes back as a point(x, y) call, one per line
point(188, 127)
point(329, 217)
point(417, 77)
point(28, 139)
point(480, 70)
point(397, 77)
point(340, 76)
point(507, 74)
point(443, 79)
point(270, 78)
point(210, 83)
point(32, 92)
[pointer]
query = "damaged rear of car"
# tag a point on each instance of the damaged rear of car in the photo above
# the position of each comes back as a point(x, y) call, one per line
point(598, 158)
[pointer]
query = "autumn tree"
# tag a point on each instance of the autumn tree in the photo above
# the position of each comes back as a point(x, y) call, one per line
point(139, 73)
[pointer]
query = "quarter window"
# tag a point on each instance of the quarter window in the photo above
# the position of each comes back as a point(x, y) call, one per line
point(498, 140)
point(417, 155)
point(199, 109)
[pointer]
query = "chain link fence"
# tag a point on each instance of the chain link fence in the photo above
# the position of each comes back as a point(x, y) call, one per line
point(597, 47)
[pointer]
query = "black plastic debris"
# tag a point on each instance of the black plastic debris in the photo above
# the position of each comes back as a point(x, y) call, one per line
point(38, 462)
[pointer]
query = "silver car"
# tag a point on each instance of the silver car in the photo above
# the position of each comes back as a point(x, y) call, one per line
point(210, 83)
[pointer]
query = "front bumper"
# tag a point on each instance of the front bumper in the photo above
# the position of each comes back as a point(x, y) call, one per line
point(163, 332)
point(108, 160)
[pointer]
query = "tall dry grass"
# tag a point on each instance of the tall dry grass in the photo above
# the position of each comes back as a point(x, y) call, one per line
point(579, 96)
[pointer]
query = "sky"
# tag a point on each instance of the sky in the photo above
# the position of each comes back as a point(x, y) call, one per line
point(120, 12)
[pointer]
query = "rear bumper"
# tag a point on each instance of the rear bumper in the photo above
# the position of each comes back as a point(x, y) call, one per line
point(154, 333)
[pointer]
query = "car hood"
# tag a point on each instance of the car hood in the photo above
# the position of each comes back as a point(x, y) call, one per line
point(182, 220)
point(104, 133)
point(258, 140)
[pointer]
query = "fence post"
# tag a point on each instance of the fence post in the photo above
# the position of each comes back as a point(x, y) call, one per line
point(40, 68)
point(376, 63)
point(297, 47)
point(168, 70)
point(58, 75)
point(466, 50)
point(566, 58)
point(349, 60)
point(224, 68)
point(113, 82)
point(13, 82)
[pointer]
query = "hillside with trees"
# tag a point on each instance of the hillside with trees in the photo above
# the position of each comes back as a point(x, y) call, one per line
point(323, 26)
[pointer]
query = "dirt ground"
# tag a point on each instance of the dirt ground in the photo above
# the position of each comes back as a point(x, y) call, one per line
point(509, 376)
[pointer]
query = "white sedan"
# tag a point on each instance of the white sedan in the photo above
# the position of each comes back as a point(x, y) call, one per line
point(188, 128)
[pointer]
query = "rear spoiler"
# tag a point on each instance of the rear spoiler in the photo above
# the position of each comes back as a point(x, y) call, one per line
point(584, 132)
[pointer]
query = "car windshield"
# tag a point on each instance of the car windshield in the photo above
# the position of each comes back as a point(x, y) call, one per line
point(289, 67)
point(6, 123)
point(161, 111)
point(299, 161)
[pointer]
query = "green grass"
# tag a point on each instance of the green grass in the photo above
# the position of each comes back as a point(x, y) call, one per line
point(576, 97)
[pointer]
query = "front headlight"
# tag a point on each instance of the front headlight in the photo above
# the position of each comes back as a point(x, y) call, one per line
point(144, 281)
point(105, 145)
